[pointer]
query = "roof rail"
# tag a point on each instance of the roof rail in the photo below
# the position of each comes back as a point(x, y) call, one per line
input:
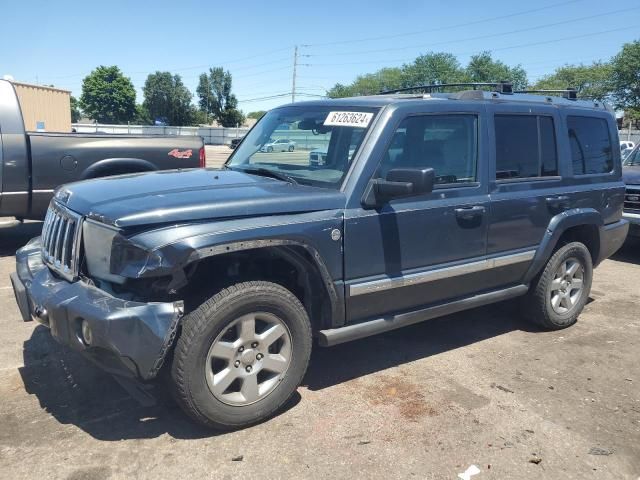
point(500, 87)
point(568, 93)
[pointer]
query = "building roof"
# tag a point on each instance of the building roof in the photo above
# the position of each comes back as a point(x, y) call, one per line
point(43, 87)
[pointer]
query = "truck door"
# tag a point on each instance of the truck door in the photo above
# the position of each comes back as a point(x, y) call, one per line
point(525, 180)
point(421, 250)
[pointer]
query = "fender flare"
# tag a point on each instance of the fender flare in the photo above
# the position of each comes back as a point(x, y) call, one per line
point(333, 293)
point(559, 224)
point(102, 167)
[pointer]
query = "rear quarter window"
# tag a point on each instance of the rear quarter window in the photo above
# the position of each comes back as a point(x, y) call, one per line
point(591, 148)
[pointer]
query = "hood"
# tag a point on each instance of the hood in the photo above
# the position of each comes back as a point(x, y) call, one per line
point(631, 175)
point(187, 195)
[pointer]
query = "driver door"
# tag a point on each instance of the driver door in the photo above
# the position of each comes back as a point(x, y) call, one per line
point(417, 251)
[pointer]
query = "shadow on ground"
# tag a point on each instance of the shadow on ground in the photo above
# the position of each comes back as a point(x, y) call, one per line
point(76, 392)
point(15, 235)
point(630, 252)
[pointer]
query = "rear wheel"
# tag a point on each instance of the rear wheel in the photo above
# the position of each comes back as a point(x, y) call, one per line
point(291, 147)
point(561, 291)
point(241, 355)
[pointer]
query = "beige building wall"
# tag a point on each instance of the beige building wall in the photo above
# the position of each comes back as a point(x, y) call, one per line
point(44, 104)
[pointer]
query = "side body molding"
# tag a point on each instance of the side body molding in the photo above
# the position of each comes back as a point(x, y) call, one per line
point(557, 226)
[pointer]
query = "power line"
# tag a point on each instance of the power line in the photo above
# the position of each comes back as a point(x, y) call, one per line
point(438, 29)
point(478, 37)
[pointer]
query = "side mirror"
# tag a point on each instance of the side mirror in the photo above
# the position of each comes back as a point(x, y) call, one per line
point(400, 182)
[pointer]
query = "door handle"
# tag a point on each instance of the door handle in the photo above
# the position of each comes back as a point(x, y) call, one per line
point(467, 213)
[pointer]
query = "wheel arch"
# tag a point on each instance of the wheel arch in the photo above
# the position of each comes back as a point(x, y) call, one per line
point(582, 225)
point(102, 168)
point(294, 265)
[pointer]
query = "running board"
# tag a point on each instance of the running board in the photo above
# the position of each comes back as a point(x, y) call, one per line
point(335, 336)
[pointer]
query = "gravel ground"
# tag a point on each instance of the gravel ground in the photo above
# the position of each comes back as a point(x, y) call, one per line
point(477, 388)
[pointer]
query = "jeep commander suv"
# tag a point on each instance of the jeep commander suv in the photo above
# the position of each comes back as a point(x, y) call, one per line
point(426, 204)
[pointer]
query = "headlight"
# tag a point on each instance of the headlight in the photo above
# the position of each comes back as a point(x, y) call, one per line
point(98, 240)
point(113, 257)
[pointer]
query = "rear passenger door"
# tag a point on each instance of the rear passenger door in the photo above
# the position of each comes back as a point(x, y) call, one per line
point(525, 183)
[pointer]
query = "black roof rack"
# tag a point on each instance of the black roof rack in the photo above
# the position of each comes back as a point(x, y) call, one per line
point(568, 93)
point(500, 87)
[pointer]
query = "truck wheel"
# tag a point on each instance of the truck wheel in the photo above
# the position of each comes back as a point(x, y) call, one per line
point(560, 292)
point(241, 355)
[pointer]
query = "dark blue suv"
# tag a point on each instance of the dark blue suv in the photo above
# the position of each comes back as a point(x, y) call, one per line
point(425, 204)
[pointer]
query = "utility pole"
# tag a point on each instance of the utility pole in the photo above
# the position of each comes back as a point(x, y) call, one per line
point(295, 66)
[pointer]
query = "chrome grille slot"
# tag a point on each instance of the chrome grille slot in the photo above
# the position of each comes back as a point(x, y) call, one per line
point(632, 199)
point(61, 240)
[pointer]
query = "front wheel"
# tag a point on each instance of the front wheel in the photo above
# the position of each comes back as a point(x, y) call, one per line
point(561, 291)
point(241, 355)
point(269, 149)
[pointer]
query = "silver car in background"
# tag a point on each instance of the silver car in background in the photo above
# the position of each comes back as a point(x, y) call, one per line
point(279, 145)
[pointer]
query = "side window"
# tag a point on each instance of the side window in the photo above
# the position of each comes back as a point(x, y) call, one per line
point(591, 149)
point(446, 143)
point(525, 147)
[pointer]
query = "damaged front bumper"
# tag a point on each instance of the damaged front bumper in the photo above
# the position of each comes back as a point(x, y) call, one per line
point(127, 338)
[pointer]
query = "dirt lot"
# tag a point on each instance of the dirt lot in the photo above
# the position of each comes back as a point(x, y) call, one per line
point(481, 387)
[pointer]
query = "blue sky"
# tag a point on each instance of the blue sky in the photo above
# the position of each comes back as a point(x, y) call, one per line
point(61, 42)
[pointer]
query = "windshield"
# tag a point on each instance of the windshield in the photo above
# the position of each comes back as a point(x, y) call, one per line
point(633, 158)
point(311, 145)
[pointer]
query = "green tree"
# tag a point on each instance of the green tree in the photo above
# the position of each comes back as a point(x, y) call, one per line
point(75, 110)
point(142, 116)
point(433, 68)
point(369, 84)
point(591, 81)
point(625, 78)
point(198, 117)
point(166, 97)
point(215, 97)
point(108, 96)
point(256, 115)
point(483, 68)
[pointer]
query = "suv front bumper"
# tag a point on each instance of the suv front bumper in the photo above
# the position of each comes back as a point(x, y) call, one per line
point(128, 338)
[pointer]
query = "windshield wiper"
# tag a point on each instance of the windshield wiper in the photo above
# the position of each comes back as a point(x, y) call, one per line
point(265, 172)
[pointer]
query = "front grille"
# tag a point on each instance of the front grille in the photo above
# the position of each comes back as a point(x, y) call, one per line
point(61, 240)
point(632, 198)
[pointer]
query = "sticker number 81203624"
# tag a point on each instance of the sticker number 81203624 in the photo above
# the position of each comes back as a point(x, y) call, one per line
point(348, 119)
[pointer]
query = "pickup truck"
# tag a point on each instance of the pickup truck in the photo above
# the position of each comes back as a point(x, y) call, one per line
point(33, 164)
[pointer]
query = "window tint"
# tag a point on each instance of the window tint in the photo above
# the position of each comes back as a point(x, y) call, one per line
point(446, 143)
point(525, 146)
point(591, 150)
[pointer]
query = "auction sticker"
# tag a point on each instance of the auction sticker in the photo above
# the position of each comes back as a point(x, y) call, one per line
point(349, 119)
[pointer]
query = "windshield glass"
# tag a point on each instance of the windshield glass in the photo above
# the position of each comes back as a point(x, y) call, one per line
point(633, 158)
point(311, 145)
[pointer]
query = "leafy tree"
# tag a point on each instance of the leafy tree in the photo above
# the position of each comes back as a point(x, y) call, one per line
point(592, 81)
point(142, 116)
point(166, 97)
point(214, 92)
point(625, 78)
point(483, 68)
point(369, 84)
point(256, 115)
point(75, 110)
point(108, 96)
point(433, 68)
point(198, 117)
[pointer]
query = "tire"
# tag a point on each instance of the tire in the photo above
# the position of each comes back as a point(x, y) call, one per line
point(212, 328)
point(553, 302)
point(269, 149)
point(291, 147)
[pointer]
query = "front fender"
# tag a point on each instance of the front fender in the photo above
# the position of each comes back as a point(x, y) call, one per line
point(559, 224)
